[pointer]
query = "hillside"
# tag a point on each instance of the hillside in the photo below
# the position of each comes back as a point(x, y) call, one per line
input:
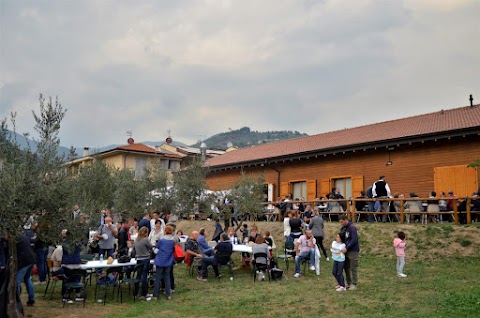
point(25, 142)
point(244, 137)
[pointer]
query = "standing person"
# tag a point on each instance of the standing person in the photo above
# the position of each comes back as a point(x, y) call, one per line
point(123, 239)
point(295, 225)
point(142, 249)
point(76, 212)
point(40, 249)
point(381, 190)
point(351, 252)
point(164, 263)
point(317, 227)
point(370, 204)
point(145, 221)
point(339, 260)
point(156, 217)
point(307, 215)
point(157, 232)
point(286, 225)
point(105, 235)
point(25, 259)
point(399, 245)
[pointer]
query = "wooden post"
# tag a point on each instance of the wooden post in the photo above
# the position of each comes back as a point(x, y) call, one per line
point(349, 213)
point(353, 210)
point(455, 210)
point(402, 209)
point(469, 215)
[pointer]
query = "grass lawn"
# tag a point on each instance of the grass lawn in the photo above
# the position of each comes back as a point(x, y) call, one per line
point(436, 286)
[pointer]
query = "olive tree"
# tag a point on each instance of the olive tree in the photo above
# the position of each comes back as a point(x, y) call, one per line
point(247, 195)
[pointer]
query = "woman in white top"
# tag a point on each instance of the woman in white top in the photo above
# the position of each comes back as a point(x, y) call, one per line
point(156, 233)
point(286, 225)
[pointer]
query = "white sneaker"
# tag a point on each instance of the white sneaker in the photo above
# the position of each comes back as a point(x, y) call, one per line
point(297, 275)
point(312, 268)
point(401, 275)
point(340, 289)
point(328, 259)
point(352, 287)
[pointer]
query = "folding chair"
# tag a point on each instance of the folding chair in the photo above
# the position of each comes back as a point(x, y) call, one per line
point(289, 253)
point(51, 279)
point(109, 280)
point(135, 277)
point(225, 259)
point(70, 285)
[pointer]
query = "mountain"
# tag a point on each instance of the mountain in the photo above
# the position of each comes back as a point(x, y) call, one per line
point(244, 137)
point(25, 142)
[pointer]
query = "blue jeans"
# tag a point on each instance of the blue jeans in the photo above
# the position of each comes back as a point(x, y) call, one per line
point(101, 251)
point(41, 254)
point(305, 255)
point(163, 273)
point(144, 273)
point(24, 274)
point(208, 251)
point(337, 272)
point(206, 261)
point(371, 205)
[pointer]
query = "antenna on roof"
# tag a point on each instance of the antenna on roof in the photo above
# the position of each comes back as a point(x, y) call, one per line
point(129, 133)
point(471, 100)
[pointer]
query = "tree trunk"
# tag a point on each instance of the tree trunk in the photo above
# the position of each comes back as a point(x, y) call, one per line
point(12, 308)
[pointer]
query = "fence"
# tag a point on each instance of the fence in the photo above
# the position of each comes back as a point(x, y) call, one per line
point(352, 212)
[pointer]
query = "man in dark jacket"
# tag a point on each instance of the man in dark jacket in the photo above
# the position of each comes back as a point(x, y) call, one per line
point(145, 221)
point(351, 252)
point(25, 259)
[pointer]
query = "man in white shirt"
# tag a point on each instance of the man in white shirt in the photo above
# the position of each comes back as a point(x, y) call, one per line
point(381, 190)
point(154, 219)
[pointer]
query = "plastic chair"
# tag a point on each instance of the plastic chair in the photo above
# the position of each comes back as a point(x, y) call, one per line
point(51, 279)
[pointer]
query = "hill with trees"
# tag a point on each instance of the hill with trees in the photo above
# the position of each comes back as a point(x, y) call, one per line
point(244, 137)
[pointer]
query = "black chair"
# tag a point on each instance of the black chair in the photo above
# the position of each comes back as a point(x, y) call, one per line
point(135, 278)
point(90, 272)
point(109, 280)
point(288, 253)
point(70, 284)
point(225, 259)
point(262, 266)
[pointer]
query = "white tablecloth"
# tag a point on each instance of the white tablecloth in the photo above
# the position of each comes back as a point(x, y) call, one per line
point(103, 264)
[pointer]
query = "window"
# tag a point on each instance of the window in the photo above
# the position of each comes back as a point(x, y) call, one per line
point(174, 165)
point(299, 190)
point(344, 185)
point(164, 164)
point(140, 167)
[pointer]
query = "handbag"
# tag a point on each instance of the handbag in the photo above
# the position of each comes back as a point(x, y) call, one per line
point(178, 253)
point(124, 259)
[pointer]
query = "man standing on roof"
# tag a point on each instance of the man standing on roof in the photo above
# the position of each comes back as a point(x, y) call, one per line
point(381, 190)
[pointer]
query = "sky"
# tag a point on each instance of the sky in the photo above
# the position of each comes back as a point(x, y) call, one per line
point(197, 68)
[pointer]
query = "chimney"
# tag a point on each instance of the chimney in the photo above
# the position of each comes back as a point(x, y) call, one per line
point(85, 151)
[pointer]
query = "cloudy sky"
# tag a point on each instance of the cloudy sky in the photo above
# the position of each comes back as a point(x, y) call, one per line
point(200, 67)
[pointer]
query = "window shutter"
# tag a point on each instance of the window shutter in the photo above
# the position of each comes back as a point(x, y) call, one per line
point(284, 189)
point(324, 187)
point(357, 186)
point(311, 190)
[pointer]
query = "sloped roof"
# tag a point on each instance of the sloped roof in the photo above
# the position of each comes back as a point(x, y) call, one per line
point(421, 125)
point(141, 148)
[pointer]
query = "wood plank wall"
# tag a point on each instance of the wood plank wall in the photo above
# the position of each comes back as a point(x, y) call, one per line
point(412, 169)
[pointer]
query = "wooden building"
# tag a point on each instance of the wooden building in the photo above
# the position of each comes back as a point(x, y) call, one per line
point(416, 154)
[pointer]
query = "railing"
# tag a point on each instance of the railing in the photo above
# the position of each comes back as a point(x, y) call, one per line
point(352, 212)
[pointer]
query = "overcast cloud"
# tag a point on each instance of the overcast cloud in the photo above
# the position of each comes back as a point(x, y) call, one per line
point(201, 67)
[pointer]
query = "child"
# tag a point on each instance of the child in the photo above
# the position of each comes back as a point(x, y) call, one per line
point(399, 244)
point(339, 260)
point(244, 232)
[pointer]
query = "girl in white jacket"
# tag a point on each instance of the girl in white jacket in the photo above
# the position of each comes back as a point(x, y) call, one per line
point(339, 260)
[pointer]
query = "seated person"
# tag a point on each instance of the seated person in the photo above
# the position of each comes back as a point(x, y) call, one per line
point(192, 248)
point(244, 231)
point(70, 260)
point(56, 259)
point(305, 248)
point(202, 242)
point(232, 236)
point(223, 249)
point(261, 247)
